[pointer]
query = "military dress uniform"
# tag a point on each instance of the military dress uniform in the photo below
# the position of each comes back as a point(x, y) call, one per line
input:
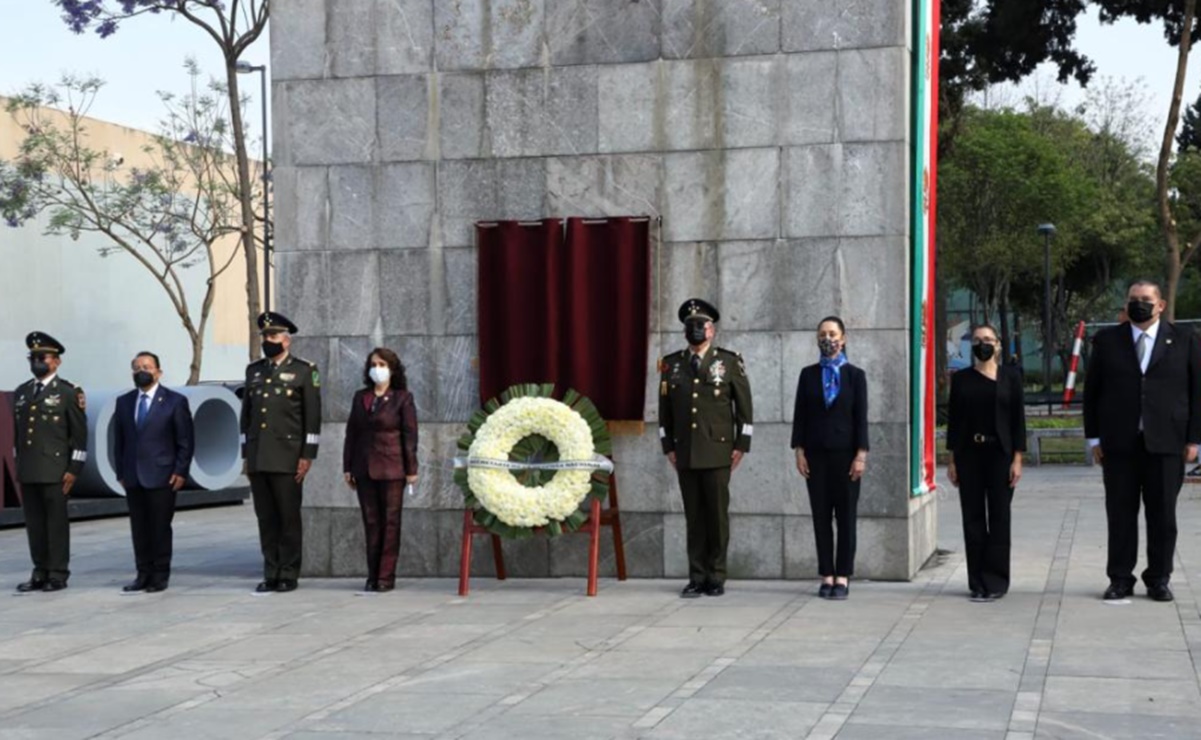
point(52, 441)
point(705, 413)
point(281, 424)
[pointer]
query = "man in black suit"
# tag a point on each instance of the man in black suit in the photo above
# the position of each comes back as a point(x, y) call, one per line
point(153, 450)
point(1142, 414)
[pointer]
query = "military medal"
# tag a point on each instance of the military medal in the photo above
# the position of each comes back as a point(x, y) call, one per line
point(717, 371)
point(287, 377)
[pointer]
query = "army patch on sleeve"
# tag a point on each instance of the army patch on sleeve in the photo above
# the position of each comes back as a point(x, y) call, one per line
point(316, 379)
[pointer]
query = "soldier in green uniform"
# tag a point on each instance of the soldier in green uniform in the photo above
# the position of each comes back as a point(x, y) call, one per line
point(281, 427)
point(705, 426)
point(52, 444)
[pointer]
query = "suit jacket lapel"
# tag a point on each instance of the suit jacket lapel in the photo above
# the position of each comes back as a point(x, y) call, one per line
point(1163, 338)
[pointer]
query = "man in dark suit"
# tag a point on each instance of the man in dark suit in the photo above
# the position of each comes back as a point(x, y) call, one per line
point(705, 427)
point(153, 450)
point(1142, 414)
point(281, 428)
point(52, 446)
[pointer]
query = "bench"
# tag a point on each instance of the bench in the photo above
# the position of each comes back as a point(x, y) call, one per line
point(1034, 438)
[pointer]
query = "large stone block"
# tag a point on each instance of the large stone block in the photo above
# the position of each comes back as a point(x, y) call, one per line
point(767, 482)
point(458, 379)
point(752, 101)
point(617, 185)
point(434, 458)
point(418, 544)
point(350, 25)
point(675, 546)
point(403, 118)
point(324, 486)
point(630, 111)
point(851, 190)
point(417, 355)
point(810, 98)
point(404, 194)
point(890, 556)
point(461, 115)
point(350, 206)
point(487, 190)
point(404, 36)
point(872, 94)
point(539, 112)
point(345, 375)
point(755, 280)
point(722, 195)
point(298, 41)
point(691, 102)
point(326, 121)
point(405, 291)
point(460, 276)
point(315, 546)
point(720, 28)
point(301, 208)
point(642, 538)
point(354, 293)
point(872, 292)
point(302, 279)
point(761, 354)
point(347, 539)
point(646, 482)
point(603, 31)
point(800, 548)
point(884, 356)
point(756, 547)
point(686, 270)
point(842, 24)
point(482, 34)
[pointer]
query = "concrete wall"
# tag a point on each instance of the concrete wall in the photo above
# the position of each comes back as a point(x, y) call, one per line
point(770, 135)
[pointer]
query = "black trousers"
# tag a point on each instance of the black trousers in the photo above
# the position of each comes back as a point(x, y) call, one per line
point(277, 505)
point(382, 503)
point(833, 495)
point(48, 529)
point(985, 499)
point(1154, 480)
point(707, 519)
point(151, 511)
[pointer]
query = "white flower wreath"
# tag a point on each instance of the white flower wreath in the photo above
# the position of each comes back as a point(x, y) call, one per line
point(499, 491)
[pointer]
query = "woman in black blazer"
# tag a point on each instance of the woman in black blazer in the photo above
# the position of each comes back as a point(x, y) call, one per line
point(829, 435)
point(986, 435)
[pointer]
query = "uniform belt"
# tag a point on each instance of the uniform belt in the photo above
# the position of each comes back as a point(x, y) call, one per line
point(985, 439)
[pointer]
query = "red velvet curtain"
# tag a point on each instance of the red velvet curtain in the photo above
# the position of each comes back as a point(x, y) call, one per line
point(520, 264)
point(571, 311)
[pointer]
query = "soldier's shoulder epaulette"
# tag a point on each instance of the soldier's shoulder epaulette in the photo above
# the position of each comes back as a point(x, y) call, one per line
point(667, 359)
point(69, 384)
point(27, 384)
point(729, 352)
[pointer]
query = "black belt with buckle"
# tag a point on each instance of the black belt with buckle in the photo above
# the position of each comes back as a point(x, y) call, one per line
point(984, 439)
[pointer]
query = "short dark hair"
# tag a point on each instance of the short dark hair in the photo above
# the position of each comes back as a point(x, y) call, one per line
point(1140, 282)
point(841, 326)
point(144, 353)
point(398, 381)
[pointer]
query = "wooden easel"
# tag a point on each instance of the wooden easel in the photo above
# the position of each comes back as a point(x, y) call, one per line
point(597, 518)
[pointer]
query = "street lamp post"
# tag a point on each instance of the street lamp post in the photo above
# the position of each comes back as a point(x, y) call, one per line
point(247, 68)
point(1047, 230)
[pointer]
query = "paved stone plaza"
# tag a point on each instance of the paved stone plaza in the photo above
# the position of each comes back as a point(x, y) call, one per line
point(535, 658)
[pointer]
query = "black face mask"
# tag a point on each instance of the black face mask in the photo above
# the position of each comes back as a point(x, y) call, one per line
point(694, 332)
point(39, 367)
point(983, 352)
point(143, 379)
point(273, 349)
point(1140, 311)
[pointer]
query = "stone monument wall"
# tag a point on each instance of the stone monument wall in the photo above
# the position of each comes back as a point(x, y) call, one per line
point(771, 136)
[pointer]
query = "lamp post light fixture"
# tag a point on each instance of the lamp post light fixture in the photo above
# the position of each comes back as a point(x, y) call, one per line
point(1047, 230)
point(247, 68)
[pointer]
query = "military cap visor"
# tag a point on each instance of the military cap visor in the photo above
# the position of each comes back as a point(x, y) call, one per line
point(270, 322)
point(695, 308)
point(42, 343)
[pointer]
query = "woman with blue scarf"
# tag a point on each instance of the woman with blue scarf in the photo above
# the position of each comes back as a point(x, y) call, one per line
point(829, 435)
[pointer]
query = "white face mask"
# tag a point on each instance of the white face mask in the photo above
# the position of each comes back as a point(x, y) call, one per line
point(380, 375)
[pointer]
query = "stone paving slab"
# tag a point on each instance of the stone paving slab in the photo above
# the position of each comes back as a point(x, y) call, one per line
point(537, 659)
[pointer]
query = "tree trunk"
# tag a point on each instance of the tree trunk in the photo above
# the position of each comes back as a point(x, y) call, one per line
point(1003, 350)
point(1173, 262)
point(253, 304)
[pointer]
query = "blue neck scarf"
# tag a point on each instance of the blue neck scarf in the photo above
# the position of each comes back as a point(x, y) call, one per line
point(831, 377)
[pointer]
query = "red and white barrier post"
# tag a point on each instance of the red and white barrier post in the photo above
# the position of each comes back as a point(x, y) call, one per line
point(1077, 346)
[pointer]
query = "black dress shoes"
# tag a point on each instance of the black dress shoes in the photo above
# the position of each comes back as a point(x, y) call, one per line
point(286, 585)
point(1160, 593)
point(823, 592)
point(55, 584)
point(715, 589)
point(138, 584)
point(692, 591)
point(267, 586)
point(978, 596)
point(382, 587)
point(1117, 592)
point(33, 584)
point(157, 587)
point(371, 587)
point(840, 591)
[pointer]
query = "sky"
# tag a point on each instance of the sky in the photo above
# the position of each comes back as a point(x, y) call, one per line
point(147, 55)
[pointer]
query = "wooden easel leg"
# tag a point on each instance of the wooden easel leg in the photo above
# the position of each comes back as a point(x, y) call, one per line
point(498, 558)
point(619, 547)
point(465, 556)
point(594, 524)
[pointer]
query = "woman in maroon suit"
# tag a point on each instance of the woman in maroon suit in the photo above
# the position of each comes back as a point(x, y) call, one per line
point(379, 457)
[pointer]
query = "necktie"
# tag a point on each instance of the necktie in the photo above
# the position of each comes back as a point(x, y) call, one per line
point(143, 408)
point(1141, 347)
point(38, 388)
point(696, 363)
